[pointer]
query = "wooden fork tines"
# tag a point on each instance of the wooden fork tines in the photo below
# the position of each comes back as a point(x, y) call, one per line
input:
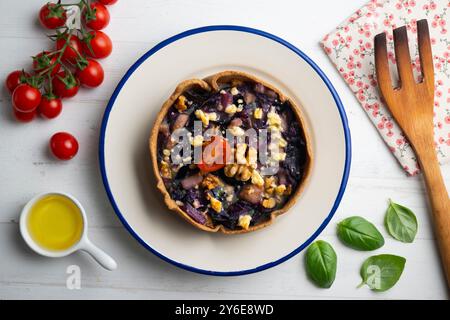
point(411, 105)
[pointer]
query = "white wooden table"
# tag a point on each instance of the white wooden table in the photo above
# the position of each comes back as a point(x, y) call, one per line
point(136, 26)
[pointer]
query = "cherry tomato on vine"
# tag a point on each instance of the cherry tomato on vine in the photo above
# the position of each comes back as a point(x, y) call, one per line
point(97, 44)
point(96, 16)
point(50, 106)
point(108, 2)
point(65, 85)
point(14, 79)
point(63, 145)
point(52, 16)
point(24, 116)
point(74, 46)
point(91, 73)
point(26, 98)
point(46, 60)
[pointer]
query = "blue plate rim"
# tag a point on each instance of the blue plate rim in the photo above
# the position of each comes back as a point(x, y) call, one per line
point(159, 46)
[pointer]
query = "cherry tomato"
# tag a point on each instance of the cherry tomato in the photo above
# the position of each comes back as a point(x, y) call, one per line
point(50, 106)
point(97, 45)
point(26, 98)
point(215, 155)
point(52, 16)
point(46, 60)
point(14, 79)
point(210, 167)
point(65, 85)
point(92, 74)
point(108, 2)
point(63, 145)
point(24, 116)
point(96, 16)
point(74, 46)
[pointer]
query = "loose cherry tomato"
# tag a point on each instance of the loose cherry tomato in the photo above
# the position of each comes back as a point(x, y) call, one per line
point(108, 2)
point(50, 106)
point(26, 98)
point(14, 79)
point(44, 61)
point(63, 145)
point(97, 44)
point(65, 85)
point(52, 16)
point(70, 53)
point(215, 155)
point(24, 116)
point(96, 16)
point(91, 75)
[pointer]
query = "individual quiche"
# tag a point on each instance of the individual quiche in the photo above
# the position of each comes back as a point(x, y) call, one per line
point(230, 152)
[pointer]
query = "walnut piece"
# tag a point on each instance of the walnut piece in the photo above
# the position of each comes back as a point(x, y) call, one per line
point(211, 181)
point(180, 105)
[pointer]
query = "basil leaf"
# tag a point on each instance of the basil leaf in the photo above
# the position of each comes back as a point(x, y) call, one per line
point(321, 263)
point(382, 272)
point(360, 234)
point(401, 222)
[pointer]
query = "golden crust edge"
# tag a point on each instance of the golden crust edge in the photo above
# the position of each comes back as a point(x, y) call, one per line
point(213, 83)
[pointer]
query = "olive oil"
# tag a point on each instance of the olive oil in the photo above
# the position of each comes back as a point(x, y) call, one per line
point(55, 222)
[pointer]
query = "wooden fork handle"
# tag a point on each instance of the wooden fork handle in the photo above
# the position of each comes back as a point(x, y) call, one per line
point(439, 201)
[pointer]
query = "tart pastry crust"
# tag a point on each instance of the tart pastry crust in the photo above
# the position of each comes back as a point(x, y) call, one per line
point(213, 83)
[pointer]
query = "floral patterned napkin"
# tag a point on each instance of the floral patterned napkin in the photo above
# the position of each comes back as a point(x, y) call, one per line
point(350, 48)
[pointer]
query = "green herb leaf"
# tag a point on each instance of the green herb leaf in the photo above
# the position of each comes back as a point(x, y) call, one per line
point(401, 222)
point(382, 272)
point(360, 234)
point(321, 263)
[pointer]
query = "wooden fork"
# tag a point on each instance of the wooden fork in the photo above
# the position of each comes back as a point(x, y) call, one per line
point(411, 104)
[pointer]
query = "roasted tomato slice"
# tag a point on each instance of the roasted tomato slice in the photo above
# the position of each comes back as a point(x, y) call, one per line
point(215, 154)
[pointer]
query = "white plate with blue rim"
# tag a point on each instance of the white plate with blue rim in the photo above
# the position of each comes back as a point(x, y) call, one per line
point(126, 166)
